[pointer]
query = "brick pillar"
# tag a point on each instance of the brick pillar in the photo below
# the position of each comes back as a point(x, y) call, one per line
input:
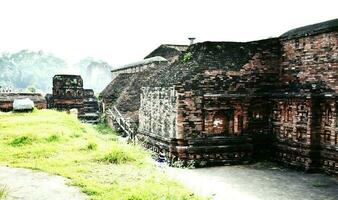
point(316, 121)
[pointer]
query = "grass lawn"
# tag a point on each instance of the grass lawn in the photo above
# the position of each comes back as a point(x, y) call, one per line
point(89, 155)
point(3, 192)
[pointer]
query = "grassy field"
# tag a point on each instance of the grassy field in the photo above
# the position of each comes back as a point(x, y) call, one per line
point(90, 156)
point(3, 192)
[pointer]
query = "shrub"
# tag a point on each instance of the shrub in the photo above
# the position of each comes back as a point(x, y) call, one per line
point(3, 193)
point(53, 138)
point(187, 56)
point(20, 141)
point(103, 128)
point(119, 155)
point(91, 146)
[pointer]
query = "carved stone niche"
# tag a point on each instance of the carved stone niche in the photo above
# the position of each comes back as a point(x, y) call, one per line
point(219, 121)
point(327, 115)
point(326, 137)
point(301, 135)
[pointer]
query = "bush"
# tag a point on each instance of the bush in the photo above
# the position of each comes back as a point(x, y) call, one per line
point(20, 141)
point(91, 146)
point(53, 138)
point(187, 56)
point(3, 193)
point(118, 156)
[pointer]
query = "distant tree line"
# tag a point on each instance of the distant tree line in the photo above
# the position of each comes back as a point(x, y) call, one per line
point(33, 71)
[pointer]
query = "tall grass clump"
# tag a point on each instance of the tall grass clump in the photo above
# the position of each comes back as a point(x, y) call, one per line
point(53, 138)
point(20, 141)
point(120, 154)
point(3, 192)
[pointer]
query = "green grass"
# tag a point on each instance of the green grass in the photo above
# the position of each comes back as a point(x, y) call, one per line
point(3, 192)
point(90, 156)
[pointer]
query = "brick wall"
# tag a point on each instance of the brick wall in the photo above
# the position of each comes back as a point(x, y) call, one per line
point(157, 114)
point(311, 62)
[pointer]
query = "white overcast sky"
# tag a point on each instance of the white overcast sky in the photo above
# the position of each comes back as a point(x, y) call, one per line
point(123, 31)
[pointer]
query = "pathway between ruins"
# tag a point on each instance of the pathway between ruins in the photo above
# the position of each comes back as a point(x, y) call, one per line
point(262, 181)
point(25, 184)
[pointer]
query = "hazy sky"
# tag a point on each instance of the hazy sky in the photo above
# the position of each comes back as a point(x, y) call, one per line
point(124, 31)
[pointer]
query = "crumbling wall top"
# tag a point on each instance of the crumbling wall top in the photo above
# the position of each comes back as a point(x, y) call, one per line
point(313, 29)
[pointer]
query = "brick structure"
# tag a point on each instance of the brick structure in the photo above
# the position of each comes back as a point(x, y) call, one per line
point(234, 102)
point(68, 93)
point(90, 110)
point(125, 87)
point(7, 99)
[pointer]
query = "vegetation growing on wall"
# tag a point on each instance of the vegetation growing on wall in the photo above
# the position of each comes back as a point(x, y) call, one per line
point(187, 57)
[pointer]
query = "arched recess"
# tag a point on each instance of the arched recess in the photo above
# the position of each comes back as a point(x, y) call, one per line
point(220, 122)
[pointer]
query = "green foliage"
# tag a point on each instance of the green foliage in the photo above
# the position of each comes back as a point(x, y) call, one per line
point(20, 141)
point(187, 57)
point(60, 144)
point(53, 138)
point(100, 70)
point(3, 192)
point(91, 146)
point(26, 68)
point(31, 88)
point(319, 184)
point(122, 154)
point(103, 129)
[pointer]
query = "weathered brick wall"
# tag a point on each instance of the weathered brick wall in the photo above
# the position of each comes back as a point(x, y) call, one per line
point(137, 68)
point(67, 92)
point(306, 131)
point(246, 69)
point(309, 66)
point(216, 116)
point(157, 114)
point(274, 98)
point(328, 135)
point(291, 125)
point(311, 62)
point(169, 52)
point(124, 91)
point(7, 99)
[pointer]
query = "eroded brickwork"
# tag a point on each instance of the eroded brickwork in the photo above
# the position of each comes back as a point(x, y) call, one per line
point(311, 62)
point(158, 112)
point(234, 102)
point(7, 99)
point(68, 93)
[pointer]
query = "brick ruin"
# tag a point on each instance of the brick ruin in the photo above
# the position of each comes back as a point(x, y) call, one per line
point(90, 109)
point(125, 88)
point(236, 102)
point(68, 93)
point(7, 98)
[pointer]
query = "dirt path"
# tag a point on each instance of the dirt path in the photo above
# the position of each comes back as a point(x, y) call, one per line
point(25, 184)
point(262, 181)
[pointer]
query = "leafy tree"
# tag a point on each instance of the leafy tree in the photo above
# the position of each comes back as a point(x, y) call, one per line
point(25, 68)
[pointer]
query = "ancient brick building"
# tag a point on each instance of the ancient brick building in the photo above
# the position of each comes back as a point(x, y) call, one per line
point(234, 102)
point(7, 99)
point(127, 81)
point(68, 93)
